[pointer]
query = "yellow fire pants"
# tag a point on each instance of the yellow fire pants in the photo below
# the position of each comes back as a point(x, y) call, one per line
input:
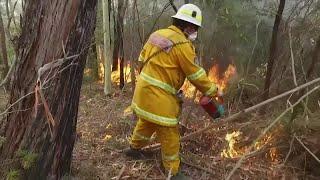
point(168, 137)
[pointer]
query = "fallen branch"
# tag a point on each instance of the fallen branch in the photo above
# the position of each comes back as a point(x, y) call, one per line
point(235, 116)
point(309, 151)
point(121, 172)
point(198, 167)
point(238, 164)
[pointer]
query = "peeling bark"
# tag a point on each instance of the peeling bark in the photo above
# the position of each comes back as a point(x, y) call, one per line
point(50, 28)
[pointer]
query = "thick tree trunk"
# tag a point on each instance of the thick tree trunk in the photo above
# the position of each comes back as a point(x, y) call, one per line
point(273, 49)
point(49, 29)
point(121, 14)
point(118, 51)
point(3, 48)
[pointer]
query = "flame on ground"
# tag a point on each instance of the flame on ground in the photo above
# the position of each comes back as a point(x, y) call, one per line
point(115, 76)
point(101, 71)
point(234, 151)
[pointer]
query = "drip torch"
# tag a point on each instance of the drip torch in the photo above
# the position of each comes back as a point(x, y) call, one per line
point(213, 106)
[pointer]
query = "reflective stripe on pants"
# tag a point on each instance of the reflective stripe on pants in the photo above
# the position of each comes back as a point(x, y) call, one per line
point(168, 137)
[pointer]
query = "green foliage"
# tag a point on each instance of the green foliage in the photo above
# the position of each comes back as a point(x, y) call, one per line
point(13, 175)
point(28, 159)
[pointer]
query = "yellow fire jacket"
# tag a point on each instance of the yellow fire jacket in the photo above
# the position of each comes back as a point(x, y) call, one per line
point(169, 58)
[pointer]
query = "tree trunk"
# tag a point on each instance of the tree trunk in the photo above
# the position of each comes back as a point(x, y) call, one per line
point(273, 49)
point(132, 69)
point(315, 59)
point(3, 47)
point(42, 125)
point(107, 46)
point(92, 61)
point(121, 14)
point(118, 51)
point(116, 44)
point(95, 64)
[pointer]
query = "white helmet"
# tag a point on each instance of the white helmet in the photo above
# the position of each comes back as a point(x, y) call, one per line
point(189, 13)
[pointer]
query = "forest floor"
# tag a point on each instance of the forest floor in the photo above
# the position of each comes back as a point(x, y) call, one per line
point(105, 125)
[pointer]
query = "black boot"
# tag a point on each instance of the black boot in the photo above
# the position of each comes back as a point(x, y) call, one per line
point(137, 153)
point(180, 176)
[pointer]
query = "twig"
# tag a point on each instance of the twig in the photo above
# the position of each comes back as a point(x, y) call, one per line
point(245, 111)
point(238, 164)
point(309, 151)
point(173, 6)
point(20, 99)
point(169, 175)
point(159, 168)
point(289, 152)
point(40, 72)
point(254, 46)
point(147, 171)
point(198, 167)
point(292, 59)
point(8, 76)
point(155, 22)
point(121, 172)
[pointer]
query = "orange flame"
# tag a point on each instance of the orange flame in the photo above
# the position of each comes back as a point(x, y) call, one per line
point(115, 76)
point(101, 71)
point(221, 80)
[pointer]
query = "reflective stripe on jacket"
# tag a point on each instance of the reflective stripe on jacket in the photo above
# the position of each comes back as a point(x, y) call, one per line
point(163, 74)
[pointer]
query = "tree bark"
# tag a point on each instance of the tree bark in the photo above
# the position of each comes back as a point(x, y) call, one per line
point(118, 51)
point(51, 30)
point(132, 69)
point(121, 14)
point(106, 46)
point(3, 47)
point(273, 49)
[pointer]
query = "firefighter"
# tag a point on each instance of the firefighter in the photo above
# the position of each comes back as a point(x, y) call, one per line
point(168, 58)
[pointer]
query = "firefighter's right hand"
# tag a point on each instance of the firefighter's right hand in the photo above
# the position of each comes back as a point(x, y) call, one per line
point(219, 97)
point(220, 93)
